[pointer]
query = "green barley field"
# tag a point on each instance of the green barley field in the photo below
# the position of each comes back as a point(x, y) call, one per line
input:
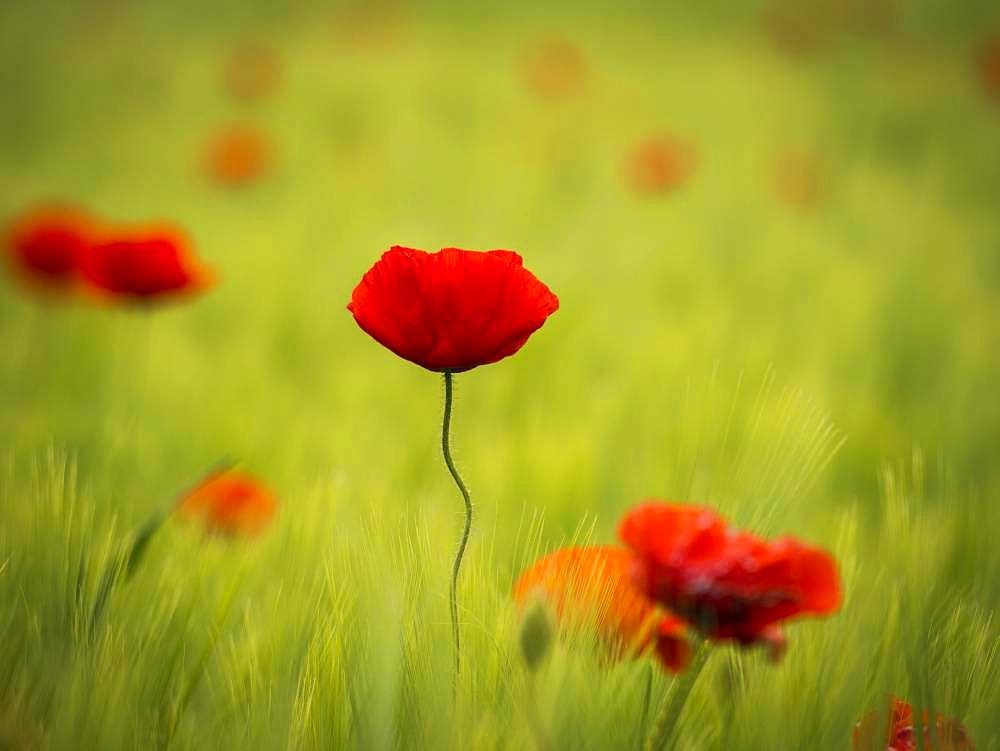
point(821, 361)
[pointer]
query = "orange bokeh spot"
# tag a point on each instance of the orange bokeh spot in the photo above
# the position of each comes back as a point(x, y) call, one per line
point(238, 156)
point(660, 165)
point(554, 68)
point(231, 504)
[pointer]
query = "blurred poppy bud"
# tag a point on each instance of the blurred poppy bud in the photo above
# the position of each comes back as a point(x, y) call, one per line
point(536, 633)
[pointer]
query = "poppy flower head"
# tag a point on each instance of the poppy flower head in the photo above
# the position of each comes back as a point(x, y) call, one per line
point(728, 583)
point(988, 62)
point(229, 503)
point(876, 732)
point(452, 310)
point(660, 165)
point(143, 265)
point(591, 586)
point(45, 246)
point(237, 156)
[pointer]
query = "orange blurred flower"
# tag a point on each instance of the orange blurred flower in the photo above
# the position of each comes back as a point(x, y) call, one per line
point(229, 503)
point(660, 164)
point(238, 156)
point(554, 68)
point(798, 179)
point(143, 264)
point(989, 66)
point(591, 585)
point(44, 246)
point(252, 72)
point(873, 733)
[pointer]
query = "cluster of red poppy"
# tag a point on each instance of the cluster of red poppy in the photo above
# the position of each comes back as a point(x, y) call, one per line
point(65, 250)
point(684, 569)
point(876, 732)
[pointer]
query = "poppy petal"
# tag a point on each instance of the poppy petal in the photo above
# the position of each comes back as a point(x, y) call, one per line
point(452, 310)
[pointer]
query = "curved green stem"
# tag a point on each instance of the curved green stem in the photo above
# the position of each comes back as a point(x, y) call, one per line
point(464, 541)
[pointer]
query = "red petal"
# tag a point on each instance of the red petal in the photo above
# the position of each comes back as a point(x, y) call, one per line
point(143, 264)
point(451, 310)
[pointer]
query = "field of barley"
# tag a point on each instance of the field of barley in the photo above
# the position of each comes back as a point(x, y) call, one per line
point(772, 228)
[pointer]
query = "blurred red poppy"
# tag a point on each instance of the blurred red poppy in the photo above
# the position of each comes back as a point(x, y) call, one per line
point(554, 68)
point(143, 265)
point(591, 585)
point(229, 503)
point(253, 72)
point(238, 156)
point(728, 583)
point(660, 165)
point(876, 732)
point(45, 246)
point(452, 310)
point(989, 66)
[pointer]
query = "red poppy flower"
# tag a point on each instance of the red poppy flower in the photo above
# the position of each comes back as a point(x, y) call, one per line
point(452, 310)
point(45, 245)
point(989, 66)
point(660, 165)
point(237, 156)
point(874, 733)
point(591, 585)
point(728, 583)
point(143, 265)
point(229, 503)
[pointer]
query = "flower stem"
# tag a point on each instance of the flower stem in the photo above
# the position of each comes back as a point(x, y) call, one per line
point(464, 541)
point(664, 737)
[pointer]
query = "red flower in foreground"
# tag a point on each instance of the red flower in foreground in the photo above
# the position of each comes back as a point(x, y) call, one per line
point(877, 733)
point(591, 585)
point(230, 503)
point(728, 583)
point(452, 310)
point(45, 245)
point(660, 165)
point(144, 265)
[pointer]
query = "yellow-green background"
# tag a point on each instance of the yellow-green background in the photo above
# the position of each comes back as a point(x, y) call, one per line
point(829, 372)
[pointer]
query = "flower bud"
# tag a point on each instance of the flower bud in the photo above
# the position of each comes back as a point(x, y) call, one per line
point(536, 632)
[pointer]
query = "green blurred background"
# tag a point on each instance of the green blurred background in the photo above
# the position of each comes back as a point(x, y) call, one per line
point(728, 341)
